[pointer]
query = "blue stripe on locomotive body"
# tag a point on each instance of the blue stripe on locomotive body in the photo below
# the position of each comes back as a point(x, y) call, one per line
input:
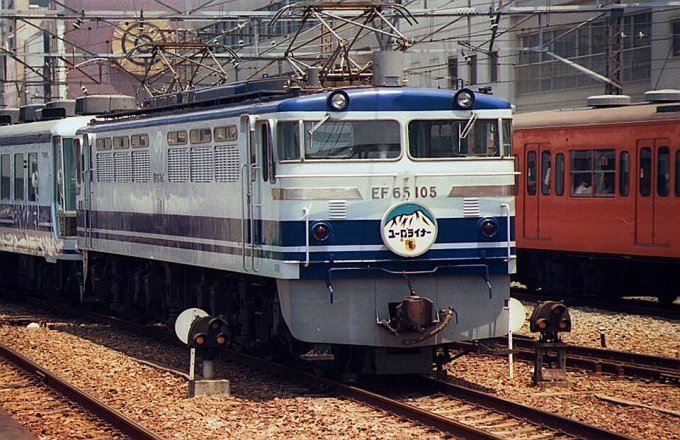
point(262, 227)
point(357, 241)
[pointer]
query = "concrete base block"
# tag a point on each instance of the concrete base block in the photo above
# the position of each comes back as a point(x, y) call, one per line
point(209, 387)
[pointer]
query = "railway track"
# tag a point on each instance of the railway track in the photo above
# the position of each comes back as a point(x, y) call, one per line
point(447, 408)
point(451, 409)
point(470, 414)
point(498, 418)
point(597, 360)
point(630, 306)
point(118, 424)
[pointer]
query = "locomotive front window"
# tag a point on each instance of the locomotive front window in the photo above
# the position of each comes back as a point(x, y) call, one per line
point(457, 138)
point(325, 140)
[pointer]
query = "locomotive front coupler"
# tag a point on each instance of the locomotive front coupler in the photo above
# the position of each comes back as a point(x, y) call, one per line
point(414, 314)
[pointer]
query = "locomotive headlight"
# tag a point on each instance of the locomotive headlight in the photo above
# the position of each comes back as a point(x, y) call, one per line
point(464, 98)
point(488, 227)
point(321, 231)
point(338, 100)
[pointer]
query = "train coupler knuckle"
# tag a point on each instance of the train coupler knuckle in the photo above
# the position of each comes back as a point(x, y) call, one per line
point(415, 315)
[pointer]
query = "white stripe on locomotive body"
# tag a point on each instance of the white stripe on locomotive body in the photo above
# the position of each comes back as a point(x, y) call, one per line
point(470, 275)
point(31, 227)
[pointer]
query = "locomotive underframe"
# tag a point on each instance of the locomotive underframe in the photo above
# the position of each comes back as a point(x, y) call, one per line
point(153, 291)
point(149, 290)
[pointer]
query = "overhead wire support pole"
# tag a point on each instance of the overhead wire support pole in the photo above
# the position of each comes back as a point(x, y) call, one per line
point(614, 52)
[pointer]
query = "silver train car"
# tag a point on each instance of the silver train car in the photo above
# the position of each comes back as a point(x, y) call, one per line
point(38, 208)
point(363, 228)
point(38, 203)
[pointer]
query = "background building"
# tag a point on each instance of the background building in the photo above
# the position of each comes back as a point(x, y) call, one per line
point(538, 54)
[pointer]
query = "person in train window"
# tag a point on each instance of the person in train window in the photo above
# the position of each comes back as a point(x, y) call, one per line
point(583, 189)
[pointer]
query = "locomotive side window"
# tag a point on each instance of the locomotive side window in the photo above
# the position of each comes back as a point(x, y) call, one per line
point(121, 142)
point(6, 176)
point(559, 174)
point(624, 173)
point(663, 170)
point(226, 133)
point(139, 140)
point(288, 140)
point(103, 144)
point(268, 164)
point(200, 135)
point(177, 137)
point(506, 124)
point(531, 173)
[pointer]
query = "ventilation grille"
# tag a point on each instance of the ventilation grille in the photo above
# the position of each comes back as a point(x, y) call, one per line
point(105, 167)
point(337, 209)
point(471, 207)
point(202, 165)
point(178, 165)
point(141, 166)
point(122, 167)
point(226, 164)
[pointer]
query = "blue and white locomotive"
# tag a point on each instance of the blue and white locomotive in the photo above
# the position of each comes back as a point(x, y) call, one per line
point(359, 228)
point(365, 227)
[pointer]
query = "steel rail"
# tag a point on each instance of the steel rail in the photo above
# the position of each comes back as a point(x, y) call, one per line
point(568, 426)
point(115, 418)
point(598, 360)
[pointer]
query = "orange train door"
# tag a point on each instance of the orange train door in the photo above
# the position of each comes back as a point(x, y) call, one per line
point(537, 185)
point(653, 187)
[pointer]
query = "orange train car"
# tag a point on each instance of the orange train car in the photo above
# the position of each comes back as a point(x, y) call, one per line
point(598, 206)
